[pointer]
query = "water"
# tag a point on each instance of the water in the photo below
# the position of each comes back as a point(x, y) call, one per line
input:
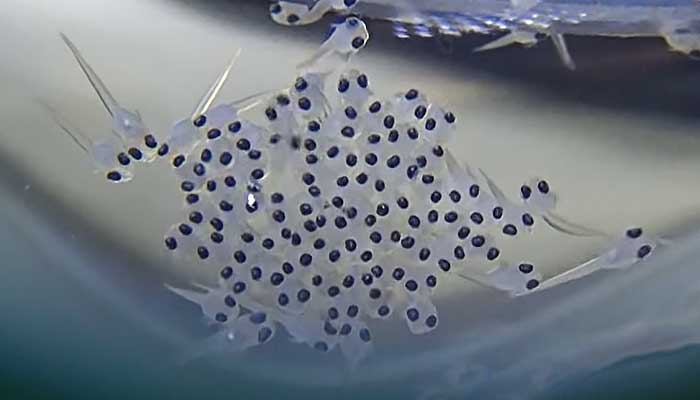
point(620, 148)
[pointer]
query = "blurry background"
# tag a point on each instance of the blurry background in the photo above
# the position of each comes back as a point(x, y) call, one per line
point(85, 312)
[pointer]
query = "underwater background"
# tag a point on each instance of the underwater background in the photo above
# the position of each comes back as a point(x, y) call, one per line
point(85, 312)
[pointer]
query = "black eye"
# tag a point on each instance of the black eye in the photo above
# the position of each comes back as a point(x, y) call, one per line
point(234, 127)
point(300, 85)
point(163, 149)
point(282, 100)
point(314, 126)
point(476, 218)
point(412, 314)
point(350, 113)
point(333, 152)
point(510, 230)
point(123, 159)
point(532, 284)
point(393, 136)
point(463, 232)
point(525, 192)
point(402, 202)
point(411, 94)
point(293, 18)
point(492, 254)
point(634, 233)
point(497, 212)
point(644, 251)
point(243, 144)
point(374, 138)
point(371, 159)
point(150, 141)
point(171, 243)
point(135, 153)
point(200, 121)
point(478, 241)
point(362, 79)
point(348, 132)
point(199, 169)
point(393, 161)
point(206, 155)
point(351, 160)
point(295, 143)
point(225, 158)
point(343, 85)
point(412, 171)
point(543, 187)
point(389, 121)
point(304, 104)
point(271, 113)
point(420, 111)
point(203, 252)
point(526, 268)
point(474, 191)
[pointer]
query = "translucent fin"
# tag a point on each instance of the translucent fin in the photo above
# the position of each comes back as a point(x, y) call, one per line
point(562, 225)
point(213, 344)
point(476, 280)
point(79, 138)
point(251, 101)
point(312, 61)
point(579, 271)
point(191, 295)
point(563, 51)
point(462, 175)
point(497, 192)
point(214, 89)
point(521, 37)
point(521, 6)
point(105, 96)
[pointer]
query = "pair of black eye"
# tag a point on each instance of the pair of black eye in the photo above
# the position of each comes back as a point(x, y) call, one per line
point(526, 191)
point(362, 81)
